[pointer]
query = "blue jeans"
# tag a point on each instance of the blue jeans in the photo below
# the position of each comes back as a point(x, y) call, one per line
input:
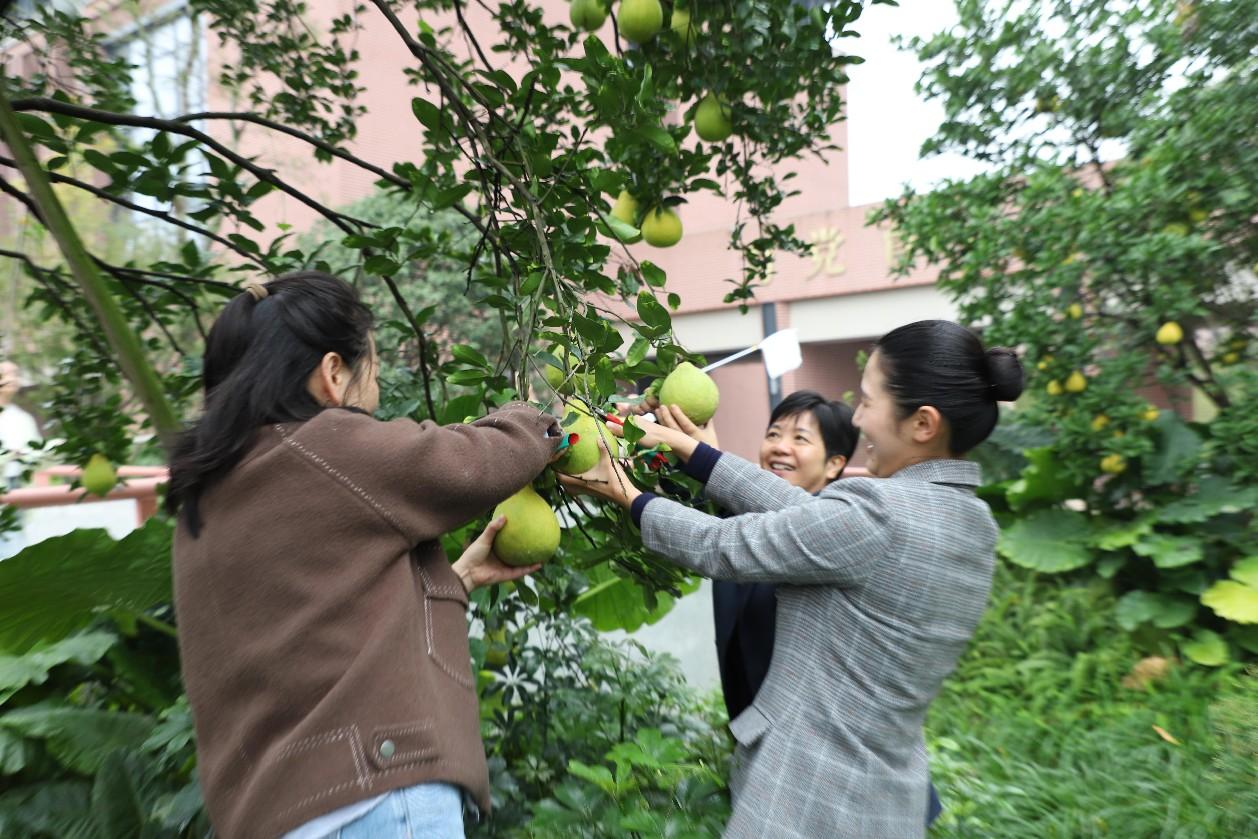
point(426, 811)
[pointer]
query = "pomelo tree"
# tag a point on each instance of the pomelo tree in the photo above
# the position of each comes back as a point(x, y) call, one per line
point(1112, 237)
point(526, 128)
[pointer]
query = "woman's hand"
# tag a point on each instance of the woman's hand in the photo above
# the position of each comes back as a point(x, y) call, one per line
point(479, 567)
point(673, 417)
point(682, 443)
point(607, 480)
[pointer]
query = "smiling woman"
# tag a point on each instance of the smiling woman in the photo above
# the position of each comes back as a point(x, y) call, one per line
point(881, 584)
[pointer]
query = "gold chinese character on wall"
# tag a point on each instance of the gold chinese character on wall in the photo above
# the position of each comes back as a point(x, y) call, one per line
point(826, 242)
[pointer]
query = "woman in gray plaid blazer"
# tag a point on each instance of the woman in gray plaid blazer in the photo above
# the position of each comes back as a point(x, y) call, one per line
point(882, 582)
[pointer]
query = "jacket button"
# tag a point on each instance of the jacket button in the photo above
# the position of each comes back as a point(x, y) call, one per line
point(387, 748)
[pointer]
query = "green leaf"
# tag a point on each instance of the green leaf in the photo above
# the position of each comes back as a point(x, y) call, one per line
point(1177, 451)
point(380, 265)
point(1135, 608)
point(1044, 480)
point(16, 672)
point(637, 351)
point(1245, 637)
point(118, 806)
point(54, 587)
point(658, 137)
point(531, 283)
point(447, 198)
point(1246, 571)
point(1206, 648)
point(620, 230)
point(428, 114)
point(614, 602)
point(1110, 565)
point(1233, 601)
point(1169, 551)
point(1213, 496)
point(79, 738)
point(1174, 611)
point(653, 274)
point(1110, 535)
point(469, 355)
point(654, 316)
point(1051, 541)
point(632, 431)
point(15, 751)
point(598, 775)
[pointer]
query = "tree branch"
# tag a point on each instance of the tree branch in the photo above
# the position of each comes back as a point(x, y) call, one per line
point(158, 214)
point(53, 106)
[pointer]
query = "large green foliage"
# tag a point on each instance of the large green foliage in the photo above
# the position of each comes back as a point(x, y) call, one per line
point(1119, 195)
point(1042, 731)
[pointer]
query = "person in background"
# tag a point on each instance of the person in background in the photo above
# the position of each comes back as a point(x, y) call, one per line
point(883, 582)
point(809, 442)
point(18, 429)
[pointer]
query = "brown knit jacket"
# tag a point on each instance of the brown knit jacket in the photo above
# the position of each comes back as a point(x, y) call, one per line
point(323, 633)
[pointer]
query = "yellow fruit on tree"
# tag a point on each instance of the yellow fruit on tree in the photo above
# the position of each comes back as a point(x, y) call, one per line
point(1047, 104)
point(1170, 333)
point(1113, 464)
point(1151, 413)
point(1054, 388)
point(1230, 358)
point(626, 209)
point(497, 649)
point(661, 228)
point(531, 534)
point(1099, 422)
point(1075, 311)
point(99, 476)
point(680, 23)
point(583, 451)
point(640, 20)
point(565, 379)
point(1044, 364)
point(587, 14)
point(692, 390)
point(712, 119)
point(1077, 382)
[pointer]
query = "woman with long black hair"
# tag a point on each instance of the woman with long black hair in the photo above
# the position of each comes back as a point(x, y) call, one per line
point(323, 632)
point(882, 581)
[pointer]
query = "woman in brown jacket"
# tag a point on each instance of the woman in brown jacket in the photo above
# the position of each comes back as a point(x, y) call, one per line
point(322, 629)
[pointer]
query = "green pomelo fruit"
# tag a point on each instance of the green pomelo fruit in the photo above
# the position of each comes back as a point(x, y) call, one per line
point(693, 391)
point(581, 456)
point(531, 534)
point(587, 14)
point(712, 119)
point(640, 20)
point(99, 476)
point(559, 379)
point(661, 228)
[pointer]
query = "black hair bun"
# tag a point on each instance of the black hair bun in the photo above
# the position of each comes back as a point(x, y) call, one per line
point(1004, 373)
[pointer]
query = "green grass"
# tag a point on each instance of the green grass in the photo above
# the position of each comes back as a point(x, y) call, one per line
point(1034, 736)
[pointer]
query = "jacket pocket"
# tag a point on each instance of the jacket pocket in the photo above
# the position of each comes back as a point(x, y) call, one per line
point(445, 618)
point(392, 746)
point(749, 726)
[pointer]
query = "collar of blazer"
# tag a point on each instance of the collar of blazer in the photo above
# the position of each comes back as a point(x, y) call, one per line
point(942, 471)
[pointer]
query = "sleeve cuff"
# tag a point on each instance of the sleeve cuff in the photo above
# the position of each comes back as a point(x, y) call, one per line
point(639, 505)
point(702, 462)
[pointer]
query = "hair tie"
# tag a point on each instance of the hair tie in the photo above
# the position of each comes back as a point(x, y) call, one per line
point(256, 290)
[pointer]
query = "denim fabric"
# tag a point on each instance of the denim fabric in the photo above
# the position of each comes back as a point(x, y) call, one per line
point(425, 811)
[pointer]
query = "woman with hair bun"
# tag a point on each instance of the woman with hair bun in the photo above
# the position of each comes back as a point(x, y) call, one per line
point(882, 581)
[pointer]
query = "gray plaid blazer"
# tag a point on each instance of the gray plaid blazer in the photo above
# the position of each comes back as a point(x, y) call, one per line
point(883, 582)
